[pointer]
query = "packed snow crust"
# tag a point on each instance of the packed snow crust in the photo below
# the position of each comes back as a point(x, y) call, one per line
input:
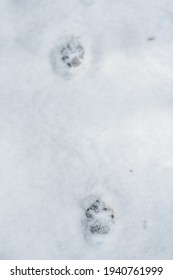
point(86, 123)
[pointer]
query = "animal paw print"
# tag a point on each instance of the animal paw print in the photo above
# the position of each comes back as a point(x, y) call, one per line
point(99, 218)
point(67, 57)
point(72, 53)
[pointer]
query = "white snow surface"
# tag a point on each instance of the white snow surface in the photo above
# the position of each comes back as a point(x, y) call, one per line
point(105, 130)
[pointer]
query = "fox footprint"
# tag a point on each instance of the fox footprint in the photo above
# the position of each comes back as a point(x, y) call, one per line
point(72, 53)
point(99, 218)
point(67, 57)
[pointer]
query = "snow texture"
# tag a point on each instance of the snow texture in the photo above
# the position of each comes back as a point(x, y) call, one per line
point(86, 124)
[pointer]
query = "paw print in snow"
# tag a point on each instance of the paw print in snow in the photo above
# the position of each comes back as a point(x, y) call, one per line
point(66, 58)
point(99, 218)
point(72, 54)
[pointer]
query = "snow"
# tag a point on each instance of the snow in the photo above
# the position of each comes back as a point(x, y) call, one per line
point(103, 130)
